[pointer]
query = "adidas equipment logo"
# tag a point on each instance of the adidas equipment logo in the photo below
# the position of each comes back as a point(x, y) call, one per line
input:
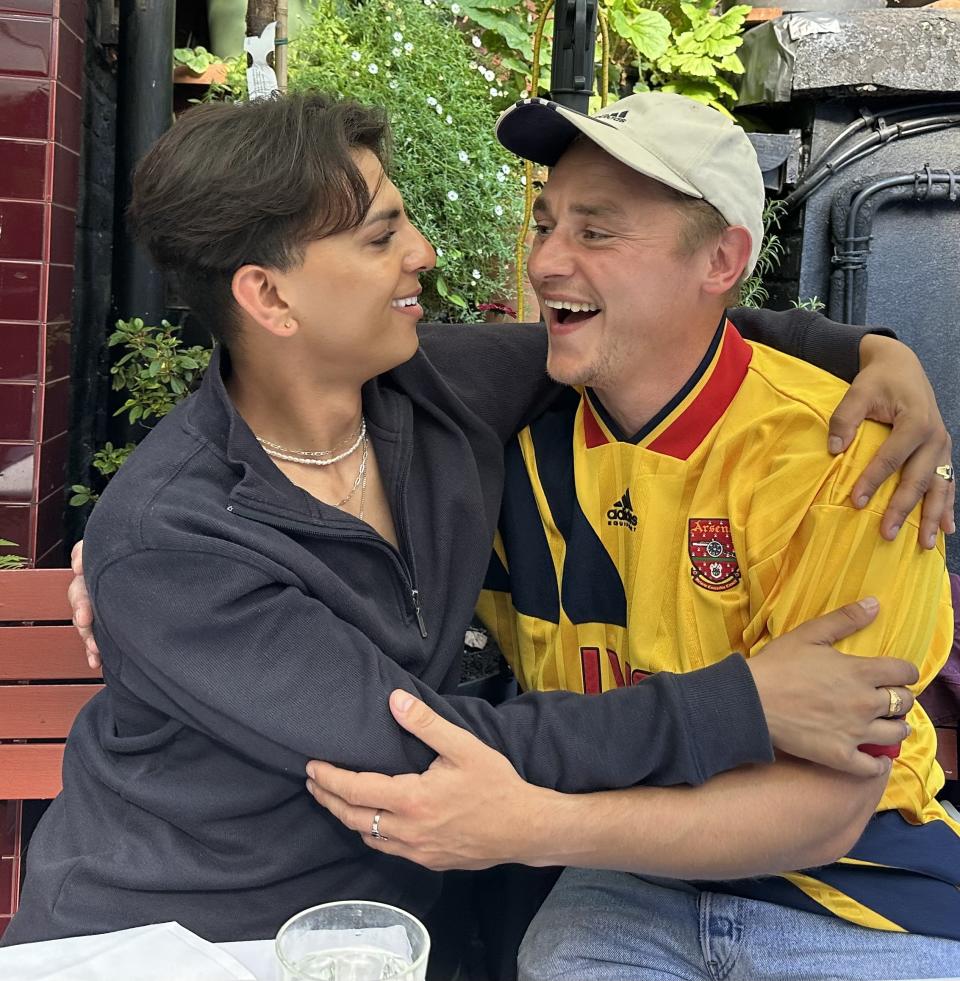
point(622, 513)
point(614, 117)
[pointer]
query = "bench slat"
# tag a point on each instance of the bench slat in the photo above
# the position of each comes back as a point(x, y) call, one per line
point(34, 594)
point(42, 653)
point(30, 772)
point(41, 711)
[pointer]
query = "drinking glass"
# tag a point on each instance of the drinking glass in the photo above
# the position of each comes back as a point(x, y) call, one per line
point(353, 941)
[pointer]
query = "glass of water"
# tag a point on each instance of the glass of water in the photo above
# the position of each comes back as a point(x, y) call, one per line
point(353, 941)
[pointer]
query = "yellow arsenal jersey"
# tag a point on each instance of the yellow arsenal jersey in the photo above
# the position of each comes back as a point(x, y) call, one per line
point(721, 525)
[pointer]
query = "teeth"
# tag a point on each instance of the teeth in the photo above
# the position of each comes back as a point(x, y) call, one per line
point(407, 301)
point(572, 307)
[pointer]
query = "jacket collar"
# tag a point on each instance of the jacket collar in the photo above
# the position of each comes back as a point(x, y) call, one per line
point(260, 483)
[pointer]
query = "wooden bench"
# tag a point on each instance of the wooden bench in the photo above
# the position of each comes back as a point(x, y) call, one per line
point(44, 682)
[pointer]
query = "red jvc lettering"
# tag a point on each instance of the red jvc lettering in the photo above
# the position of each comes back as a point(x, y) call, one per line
point(623, 677)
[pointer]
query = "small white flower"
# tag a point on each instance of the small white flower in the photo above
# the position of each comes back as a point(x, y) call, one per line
point(505, 169)
point(475, 274)
point(493, 92)
point(355, 55)
point(408, 47)
point(473, 66)
point(452, 196)
point(500, 176)
point(397, 36)
point(523, 181)
point(449, 120)
point(498, 211)
point(373, 69)
point(431, 101)
point(438, 109)
point(396, 52)
point(455, 9)
point(394, 84)
point(440, 252)
point(464, 156)
point(488, 75)
point(475, 41)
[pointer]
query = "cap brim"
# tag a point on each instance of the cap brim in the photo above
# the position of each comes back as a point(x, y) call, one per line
point(541, 131)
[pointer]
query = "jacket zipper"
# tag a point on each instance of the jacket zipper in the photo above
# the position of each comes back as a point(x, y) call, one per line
point(306, 528)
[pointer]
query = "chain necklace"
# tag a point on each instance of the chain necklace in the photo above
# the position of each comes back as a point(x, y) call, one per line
point(317, 458)
point(361, 480)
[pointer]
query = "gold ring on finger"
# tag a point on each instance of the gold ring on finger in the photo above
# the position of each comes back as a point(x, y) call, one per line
point(946, 471)
point(895, 708)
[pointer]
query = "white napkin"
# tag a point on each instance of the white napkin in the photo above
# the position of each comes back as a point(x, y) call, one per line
point(158, 952)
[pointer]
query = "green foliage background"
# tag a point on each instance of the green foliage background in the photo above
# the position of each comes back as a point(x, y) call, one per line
point(460, 187)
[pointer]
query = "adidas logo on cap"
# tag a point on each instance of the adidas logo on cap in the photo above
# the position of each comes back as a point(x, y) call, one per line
point(622, 513)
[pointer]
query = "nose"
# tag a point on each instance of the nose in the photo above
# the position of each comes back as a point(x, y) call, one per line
point(550, 256)
point(420, 254)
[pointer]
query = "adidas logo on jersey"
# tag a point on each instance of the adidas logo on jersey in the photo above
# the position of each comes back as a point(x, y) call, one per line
point(622, 513)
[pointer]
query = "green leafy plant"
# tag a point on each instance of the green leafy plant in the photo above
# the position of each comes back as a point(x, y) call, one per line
point(687, 48)
point(157, 371)
point(753, 293)
point(501, 34)
point(461, 188)
point(197, 59)
point(812, 303)
point(11, 561)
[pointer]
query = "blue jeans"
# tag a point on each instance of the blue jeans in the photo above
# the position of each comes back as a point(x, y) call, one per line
point(613, 926)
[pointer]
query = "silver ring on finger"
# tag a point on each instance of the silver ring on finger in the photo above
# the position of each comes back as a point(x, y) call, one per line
point(375, 828)
point(946, 472)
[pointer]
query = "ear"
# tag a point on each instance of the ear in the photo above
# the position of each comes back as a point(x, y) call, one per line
point(727, 261)
point(258, 292)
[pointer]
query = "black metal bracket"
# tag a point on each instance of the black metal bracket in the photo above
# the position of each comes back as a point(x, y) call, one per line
point(574, 42)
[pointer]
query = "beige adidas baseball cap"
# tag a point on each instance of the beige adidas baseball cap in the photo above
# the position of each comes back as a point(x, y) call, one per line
point(674, 140)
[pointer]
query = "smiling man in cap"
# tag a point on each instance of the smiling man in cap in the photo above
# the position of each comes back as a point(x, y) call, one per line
point(681, 499)
point(687, 477)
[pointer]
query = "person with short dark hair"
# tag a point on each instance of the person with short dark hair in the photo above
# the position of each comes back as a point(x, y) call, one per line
point(309, 532)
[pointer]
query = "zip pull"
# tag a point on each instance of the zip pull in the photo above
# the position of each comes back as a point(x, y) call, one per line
point(415, 594)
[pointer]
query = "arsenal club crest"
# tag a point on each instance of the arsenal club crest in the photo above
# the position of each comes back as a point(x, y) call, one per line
point(710, 546)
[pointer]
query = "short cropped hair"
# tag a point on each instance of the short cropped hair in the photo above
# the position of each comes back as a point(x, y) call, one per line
point(231, 184)
point(702, 223)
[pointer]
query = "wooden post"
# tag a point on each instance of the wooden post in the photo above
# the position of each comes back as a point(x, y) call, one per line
point(280, 52)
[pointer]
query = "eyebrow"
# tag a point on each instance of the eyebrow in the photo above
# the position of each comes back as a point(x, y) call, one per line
point(599, 209)
point(384, 214)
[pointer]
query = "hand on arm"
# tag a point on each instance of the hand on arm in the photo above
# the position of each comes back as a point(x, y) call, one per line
point(471, 810)
point(892, 388)
point(821, 705)
point(81, 606)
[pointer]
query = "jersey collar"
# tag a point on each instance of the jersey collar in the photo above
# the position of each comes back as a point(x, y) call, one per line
point(684, 422)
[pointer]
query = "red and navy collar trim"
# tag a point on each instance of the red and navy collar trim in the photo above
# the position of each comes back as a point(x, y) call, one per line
point(696, 408)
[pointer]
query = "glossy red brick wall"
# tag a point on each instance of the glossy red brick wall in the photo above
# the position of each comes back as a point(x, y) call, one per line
point(41, 85)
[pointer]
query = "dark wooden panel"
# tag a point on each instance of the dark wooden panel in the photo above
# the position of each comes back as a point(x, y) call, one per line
point(34, 594)
point(41, 711)
point(42, 653)
point(947, 752)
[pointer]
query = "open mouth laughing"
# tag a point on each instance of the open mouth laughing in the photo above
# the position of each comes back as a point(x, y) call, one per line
point(564, 315)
